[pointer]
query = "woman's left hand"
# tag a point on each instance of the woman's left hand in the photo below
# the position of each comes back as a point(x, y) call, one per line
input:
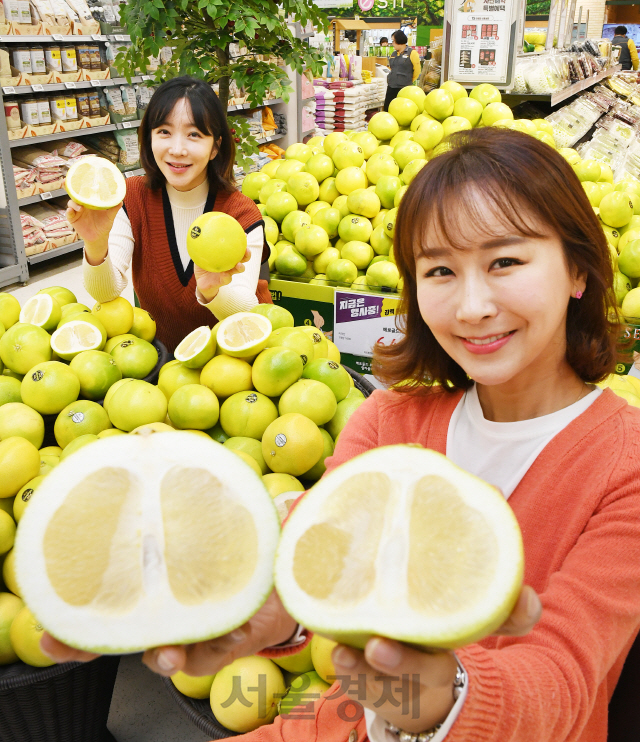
point(408, 688)
point(209, 283)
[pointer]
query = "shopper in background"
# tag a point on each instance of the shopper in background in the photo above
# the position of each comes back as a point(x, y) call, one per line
point(405, 67)
point(187, 152)
point(384, 41)
point(628, 52)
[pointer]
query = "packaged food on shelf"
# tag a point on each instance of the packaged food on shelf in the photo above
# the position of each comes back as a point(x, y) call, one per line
point(49, 168)
point(143, 96)
point(120, 147)
point(536, 37)
point(32, 233)
point(25, 180)
point(53, 219)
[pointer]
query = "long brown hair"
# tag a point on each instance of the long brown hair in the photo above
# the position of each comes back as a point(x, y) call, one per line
point(522, 178)
point(208, 117)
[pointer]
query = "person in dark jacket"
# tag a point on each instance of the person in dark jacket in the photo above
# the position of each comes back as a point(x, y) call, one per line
point(628, 52)
point(405, 67)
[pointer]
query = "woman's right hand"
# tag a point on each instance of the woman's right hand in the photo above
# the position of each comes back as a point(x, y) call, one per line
point(271, 625)
point(92, 225)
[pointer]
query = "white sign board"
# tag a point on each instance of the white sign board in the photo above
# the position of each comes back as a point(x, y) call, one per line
point(362, 320)
point(480, 41)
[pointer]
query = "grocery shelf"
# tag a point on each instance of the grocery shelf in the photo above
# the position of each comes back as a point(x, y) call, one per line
point(55, 87)
point(565, 93)
point(49, 39)
point(66, 134)
point(11, 274)
point(270, 139)
point(48, 195)
point(308, 100)
point(247, 106)
point(129, 124)
point(54, 253)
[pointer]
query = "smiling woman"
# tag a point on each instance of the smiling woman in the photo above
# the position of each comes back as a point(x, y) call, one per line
point(492, 239)
point(507, 286)
point(187, 153)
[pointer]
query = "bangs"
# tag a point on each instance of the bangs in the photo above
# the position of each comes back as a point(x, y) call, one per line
point(199, 115)
point(454, 215)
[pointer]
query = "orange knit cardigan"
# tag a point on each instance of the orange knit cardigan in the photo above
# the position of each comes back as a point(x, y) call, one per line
point(578, 507)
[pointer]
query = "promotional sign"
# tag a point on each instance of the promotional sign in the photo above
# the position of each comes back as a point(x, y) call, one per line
point(362, 320)
point(480, 41)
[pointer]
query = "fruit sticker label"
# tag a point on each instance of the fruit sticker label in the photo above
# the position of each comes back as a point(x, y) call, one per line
point(481, 41)
point(362, 320)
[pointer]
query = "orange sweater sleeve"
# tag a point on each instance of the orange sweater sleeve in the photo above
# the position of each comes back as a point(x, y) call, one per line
point(543, 687)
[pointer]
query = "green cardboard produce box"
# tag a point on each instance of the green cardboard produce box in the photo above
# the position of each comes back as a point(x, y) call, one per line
point(314, 305)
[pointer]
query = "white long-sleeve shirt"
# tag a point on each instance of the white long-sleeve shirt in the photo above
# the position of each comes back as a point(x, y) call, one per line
point(501, 454)
point(108, 280)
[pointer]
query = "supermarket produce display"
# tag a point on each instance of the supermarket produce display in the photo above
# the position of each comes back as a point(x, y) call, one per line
point(266, 401)
point(330, 205)
point(184, 516)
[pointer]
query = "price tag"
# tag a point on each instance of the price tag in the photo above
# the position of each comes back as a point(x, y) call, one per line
point(46, 196)
point(121, 38)
point(147, 77)
point(69, 85)
point(8, 91)
point(129, 174)
point(95, 83)
point(97, 37)
point(126, 124)
point(37, 88)
point(58, 37)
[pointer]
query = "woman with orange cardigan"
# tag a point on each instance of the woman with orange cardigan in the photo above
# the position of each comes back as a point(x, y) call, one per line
point(508, 286)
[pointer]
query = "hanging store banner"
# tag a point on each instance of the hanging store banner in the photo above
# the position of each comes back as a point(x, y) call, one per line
point(481, 41)
point(330, 4)
point(422, 12)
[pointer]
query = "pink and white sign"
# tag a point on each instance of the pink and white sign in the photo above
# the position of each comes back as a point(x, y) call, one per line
point(366, 4)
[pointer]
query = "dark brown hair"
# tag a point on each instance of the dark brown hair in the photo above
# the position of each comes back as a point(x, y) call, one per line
point(524, 180)
point(207, 116)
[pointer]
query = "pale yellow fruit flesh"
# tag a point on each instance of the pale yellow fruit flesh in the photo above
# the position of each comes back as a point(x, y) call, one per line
point(346, 574)
point(242, 333)
point(220, 530)
point(439, 585)
point(94, 185)
point(223, 533)
point(96, 518)
point(77, 336)
point(37, 310)
point(192, 345)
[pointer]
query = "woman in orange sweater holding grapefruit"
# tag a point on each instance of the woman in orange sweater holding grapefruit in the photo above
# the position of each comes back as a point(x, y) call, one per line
point(508, 285)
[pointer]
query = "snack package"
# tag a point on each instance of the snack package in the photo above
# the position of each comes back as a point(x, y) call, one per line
point(128, 97)
point(54, 220)
point(129, 147)
point(111, 100)
point(65, 15)
point(81, 8)
point(143, 96)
